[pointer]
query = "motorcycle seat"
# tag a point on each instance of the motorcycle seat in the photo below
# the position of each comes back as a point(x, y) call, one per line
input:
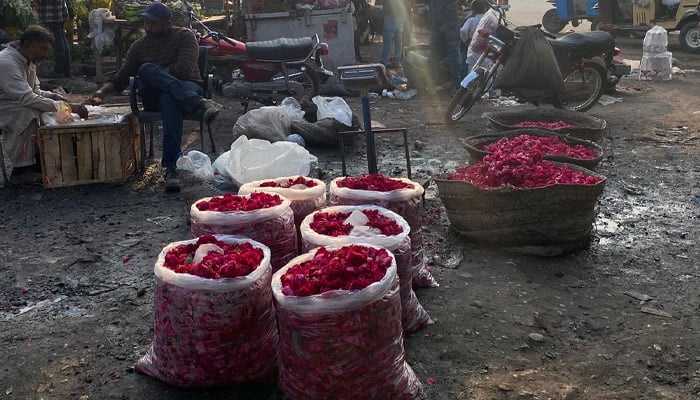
point(583, 45)
point(282, 49)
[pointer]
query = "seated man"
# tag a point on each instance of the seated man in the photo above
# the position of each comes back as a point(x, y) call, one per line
point(169, 80)
point(21, 99)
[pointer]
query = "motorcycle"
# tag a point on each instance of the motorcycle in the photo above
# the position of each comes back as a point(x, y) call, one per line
point(265, 71)
point(586, 61)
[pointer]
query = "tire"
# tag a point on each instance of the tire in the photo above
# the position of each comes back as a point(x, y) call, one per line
point(690, 37)
point(309, 78)
point(552, 23)
point(583, 87)
point(464, 99)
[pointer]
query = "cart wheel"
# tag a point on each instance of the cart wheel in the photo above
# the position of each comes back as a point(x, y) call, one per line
point(552, 23)
point(690, 37)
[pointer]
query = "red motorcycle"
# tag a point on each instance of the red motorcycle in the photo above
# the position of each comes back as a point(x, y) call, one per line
point(266, 71)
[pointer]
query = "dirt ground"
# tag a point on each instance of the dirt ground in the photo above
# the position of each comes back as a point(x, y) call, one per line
point(619, 320)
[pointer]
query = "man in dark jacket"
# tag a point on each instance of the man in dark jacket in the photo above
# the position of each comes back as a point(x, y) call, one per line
point(166, 62)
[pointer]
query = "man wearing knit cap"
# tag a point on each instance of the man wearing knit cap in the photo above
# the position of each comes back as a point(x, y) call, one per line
point(165, 61)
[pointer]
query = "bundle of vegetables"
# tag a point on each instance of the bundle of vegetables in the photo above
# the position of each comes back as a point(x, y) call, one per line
point(267, 218)
point(133, 9)
point(399, 195)
point(214, 319)
point(339, 319)
point(341, 225)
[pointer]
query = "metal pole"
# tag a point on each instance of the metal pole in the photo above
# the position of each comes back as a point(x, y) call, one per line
point(369, 135)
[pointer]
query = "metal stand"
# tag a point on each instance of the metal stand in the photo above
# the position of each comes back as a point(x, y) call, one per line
point(362, 78)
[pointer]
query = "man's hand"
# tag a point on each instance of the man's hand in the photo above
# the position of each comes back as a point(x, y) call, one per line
point(59, 97)
point(98, 97)
point(80, 110)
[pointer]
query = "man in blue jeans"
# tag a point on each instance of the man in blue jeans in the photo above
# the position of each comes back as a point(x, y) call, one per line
point(395, 16)
point(444, 36)
point(165, 61)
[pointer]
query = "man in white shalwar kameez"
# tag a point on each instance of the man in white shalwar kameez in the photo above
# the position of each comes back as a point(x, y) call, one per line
point(21, 99)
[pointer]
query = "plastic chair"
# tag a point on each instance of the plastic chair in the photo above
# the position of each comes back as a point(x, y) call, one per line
point(151, 117)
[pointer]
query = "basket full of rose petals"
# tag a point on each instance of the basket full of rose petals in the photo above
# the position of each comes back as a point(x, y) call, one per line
point(306, 194)
point(576, 124)
point(214, 319)
point(553, 146)
point(339, 318)
point(341, 225)
point(265, 217)
point(523, 202)
point(400, 195)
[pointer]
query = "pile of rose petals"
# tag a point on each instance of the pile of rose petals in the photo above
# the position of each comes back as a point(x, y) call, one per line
point(548, 145)
point(373, 182)
point(543, 124)
point(335, 224)
point(223, 261)
point(298, 182)
point(520, 170)
point(234, 202)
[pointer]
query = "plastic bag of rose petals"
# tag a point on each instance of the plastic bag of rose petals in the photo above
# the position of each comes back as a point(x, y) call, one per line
point(413, 315)
point(407, 203)
point(306, 194)
point(325, 341)
point(212, 331)
point(272, 226)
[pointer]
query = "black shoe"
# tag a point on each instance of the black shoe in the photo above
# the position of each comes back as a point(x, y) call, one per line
point(172, 182)
point(209, 109)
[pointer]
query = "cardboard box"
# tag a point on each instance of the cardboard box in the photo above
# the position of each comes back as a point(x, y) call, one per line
point(78, 155)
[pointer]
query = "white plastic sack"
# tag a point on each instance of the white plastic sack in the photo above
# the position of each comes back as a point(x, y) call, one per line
point(333, 107)
point(221, 179)
point(361, 329)
point(655, 40)
point(212, 332)
point(198, 163)
point(271, 123)
point(256, 159)
point(100, 37)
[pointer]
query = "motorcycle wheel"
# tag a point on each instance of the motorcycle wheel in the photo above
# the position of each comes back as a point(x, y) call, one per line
point(464, 99)
point(309, 78)
point(552, 23)
point(583, 87)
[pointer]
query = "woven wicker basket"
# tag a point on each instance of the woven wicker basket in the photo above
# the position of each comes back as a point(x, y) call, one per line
point(584, 127)
point(475, 145)
point(545, 221)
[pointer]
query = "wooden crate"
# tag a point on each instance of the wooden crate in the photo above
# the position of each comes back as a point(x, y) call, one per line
point(79, 155)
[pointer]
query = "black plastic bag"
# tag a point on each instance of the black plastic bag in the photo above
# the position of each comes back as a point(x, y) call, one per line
point(531, 65)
